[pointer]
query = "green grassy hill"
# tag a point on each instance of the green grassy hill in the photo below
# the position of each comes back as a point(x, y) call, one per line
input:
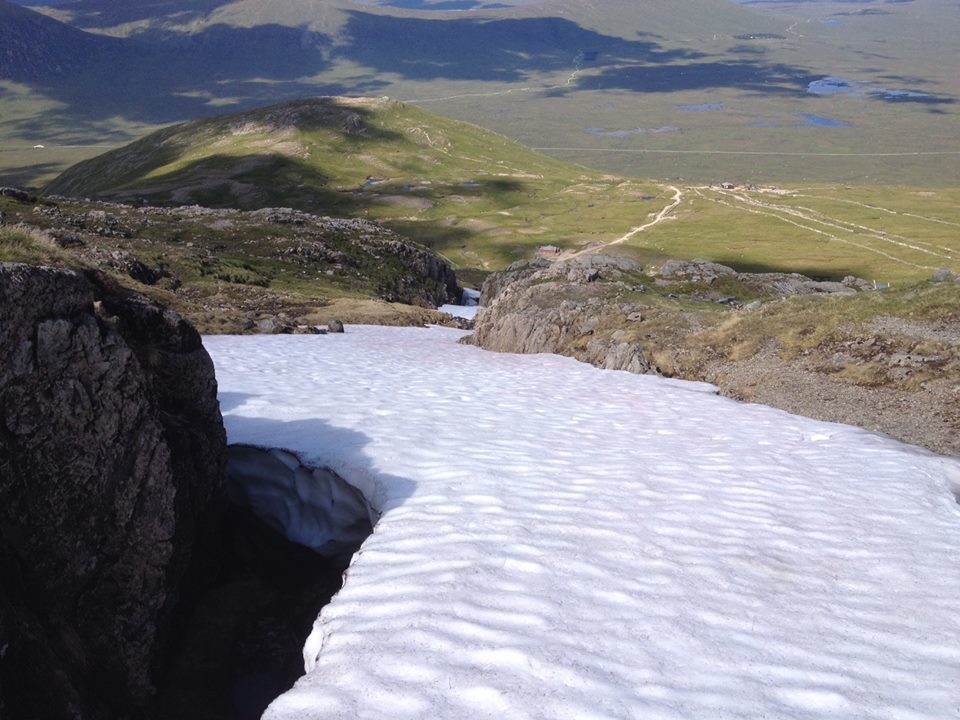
point(477, 197)
point(483, 201)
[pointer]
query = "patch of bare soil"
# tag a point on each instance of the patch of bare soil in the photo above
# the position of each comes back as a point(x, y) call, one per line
point(928, 416)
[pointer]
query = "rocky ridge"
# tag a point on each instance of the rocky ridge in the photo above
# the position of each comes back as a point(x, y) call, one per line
point(822, 349)
point(229, 270)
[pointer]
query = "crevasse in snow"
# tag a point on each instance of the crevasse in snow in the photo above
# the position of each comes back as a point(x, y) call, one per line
point(596, 544)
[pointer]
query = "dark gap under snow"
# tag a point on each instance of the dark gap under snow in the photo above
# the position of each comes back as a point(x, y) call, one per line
point(289, 533)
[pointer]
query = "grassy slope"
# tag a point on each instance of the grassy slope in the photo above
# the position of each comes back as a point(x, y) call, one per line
point(483, 201)
point(478, 198)
point(887, 234)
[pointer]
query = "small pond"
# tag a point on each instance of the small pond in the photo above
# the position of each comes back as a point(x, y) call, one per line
point(832, 85)
point(627, 133)
point(702, 107)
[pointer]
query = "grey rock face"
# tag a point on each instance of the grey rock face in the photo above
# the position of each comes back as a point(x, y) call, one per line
point(111, 450)
point(559, 307)
point(695, 270)
point(496, 283)
point(704, 271)
point(614, 263)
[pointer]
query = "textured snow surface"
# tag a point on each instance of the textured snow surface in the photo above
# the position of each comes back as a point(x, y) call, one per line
point(559, 541)
point(468, 312)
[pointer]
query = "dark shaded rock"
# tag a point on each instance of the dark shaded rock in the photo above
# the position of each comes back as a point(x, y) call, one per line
point(289, 535)
point(112, 450)
point(135, 269)
point(17, 194)
point(335, 327)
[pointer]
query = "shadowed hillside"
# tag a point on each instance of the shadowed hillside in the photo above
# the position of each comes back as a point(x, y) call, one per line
point(707, 90)
point(473, 195)
point(35, 47)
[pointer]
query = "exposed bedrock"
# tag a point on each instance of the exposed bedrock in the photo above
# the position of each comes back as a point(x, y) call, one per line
point(557, 307)
point(582, 307)
point(112, 453)
point(699, 320)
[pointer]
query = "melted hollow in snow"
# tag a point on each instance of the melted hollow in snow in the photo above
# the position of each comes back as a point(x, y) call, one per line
point(558, 541)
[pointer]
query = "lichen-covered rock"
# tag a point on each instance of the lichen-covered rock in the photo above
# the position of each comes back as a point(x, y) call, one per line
point(695, 270)
point(112, 450)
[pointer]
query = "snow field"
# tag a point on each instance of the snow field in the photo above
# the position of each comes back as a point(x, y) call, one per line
point(558, 541)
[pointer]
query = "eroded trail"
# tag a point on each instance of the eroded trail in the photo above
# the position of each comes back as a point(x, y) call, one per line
point(659, 217)
point(897, 248)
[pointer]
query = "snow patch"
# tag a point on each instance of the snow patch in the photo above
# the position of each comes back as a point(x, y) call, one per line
point(594, 543)
point(468, 307)
point(468, 312)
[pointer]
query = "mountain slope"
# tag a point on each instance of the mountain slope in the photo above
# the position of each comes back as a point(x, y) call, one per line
point(36, 47)
point(476, 196)
point(702, 90)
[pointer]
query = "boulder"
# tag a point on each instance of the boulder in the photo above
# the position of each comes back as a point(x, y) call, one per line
point(335, 327)
point(17, 194)
point(274, 326)
point(112, 451)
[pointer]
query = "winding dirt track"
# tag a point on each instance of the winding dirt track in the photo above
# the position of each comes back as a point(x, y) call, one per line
point(898, 248)
point(662, 215)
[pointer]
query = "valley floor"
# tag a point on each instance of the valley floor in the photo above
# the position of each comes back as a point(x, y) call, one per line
point(558, 541)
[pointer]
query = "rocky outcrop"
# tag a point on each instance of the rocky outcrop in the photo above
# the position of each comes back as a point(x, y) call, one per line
point(560, 308)
point(703, 321)
point(264, 262)
point(112, 451)
point(769, 284)
point(583, 269)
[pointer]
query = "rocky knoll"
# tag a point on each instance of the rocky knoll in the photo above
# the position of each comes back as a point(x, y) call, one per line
point(228, 270)
point(887, 361)
point(539, 306)
point(112, 452)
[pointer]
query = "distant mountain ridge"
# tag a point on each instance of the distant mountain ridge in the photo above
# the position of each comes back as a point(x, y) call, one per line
point(728, 81)
point(36, 47)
